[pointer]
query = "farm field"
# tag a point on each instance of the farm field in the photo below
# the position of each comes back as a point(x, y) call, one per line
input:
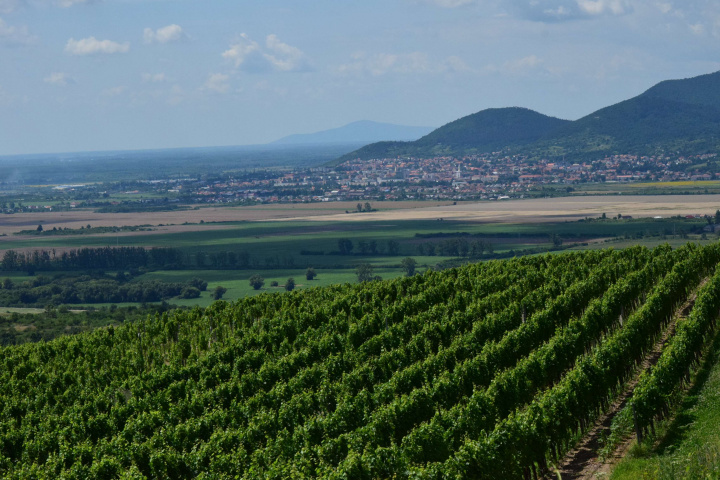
point(506, 211)
point(280, 249)
point(190, 218)
point(490, 370)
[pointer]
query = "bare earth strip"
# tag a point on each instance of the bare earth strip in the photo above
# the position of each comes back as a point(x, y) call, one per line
point(550, 209)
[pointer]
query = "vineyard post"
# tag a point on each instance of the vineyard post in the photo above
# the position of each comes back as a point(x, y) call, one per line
point(638, 430)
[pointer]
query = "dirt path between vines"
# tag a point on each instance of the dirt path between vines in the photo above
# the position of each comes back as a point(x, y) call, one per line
point(583, 462)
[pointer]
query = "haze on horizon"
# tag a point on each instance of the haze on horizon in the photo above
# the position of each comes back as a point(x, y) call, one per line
point(79, 75)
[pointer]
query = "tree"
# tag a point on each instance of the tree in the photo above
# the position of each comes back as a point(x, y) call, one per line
point(39, 228)
point(368, 207)
point(198, 283)
point(373, 247)
point(364, 272)
point(218, 293)
point(717, 217)
point(408, 265)
point(310, 273)
point(556, 240)
point(290, 284)
point(200, 258)
point(345, 246)
point(257, 282)
point(359, 207)
point(190, 292)
point(393, 247)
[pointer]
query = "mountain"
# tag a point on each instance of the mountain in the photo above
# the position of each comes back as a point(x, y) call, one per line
point(363, 131)
point(673, 116)
point(489, 130)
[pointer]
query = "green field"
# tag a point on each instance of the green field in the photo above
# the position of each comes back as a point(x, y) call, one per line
point(391, 379)
point(278, 250)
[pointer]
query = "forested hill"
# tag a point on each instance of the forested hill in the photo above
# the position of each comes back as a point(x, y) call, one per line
point(676, 116)
point(485, 131)
point(486, 371)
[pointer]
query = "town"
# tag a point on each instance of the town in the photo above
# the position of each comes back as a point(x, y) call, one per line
point(478, 177)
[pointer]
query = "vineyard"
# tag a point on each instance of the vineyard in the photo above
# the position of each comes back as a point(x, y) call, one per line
point(492, 370)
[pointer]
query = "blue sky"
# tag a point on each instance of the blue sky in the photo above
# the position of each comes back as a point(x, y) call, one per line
point(78, 75)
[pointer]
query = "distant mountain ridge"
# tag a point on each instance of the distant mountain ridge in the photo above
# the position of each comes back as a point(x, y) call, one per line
point(363, 131)
point(672, 116)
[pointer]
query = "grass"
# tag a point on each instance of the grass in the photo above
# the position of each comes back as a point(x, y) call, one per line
point(11, 310)
point(238, 286)
point(690, 447)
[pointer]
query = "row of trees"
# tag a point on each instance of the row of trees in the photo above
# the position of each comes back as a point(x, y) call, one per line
point(86, 289)
point(456, 247)
point(104, 258)
point(257, 282)
point(368, 247)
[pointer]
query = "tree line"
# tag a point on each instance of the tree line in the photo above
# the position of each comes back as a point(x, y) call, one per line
point(86, 289)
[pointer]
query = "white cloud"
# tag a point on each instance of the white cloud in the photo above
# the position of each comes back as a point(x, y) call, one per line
point(383, 63)
point(450, 3)
point(171, 33)
point(15, 36)
point(531, 64)
point(408, 63)
point(242, 52)
point(455, 64)
point(564, 10)
point(153, 77)
point(70, 3)
point(522, 64)
point(697, 29)
point(58, 78)
point(283, 56)
point(177, 95)
point(8, 6)
point(600, 7)
point(217, 82)
point(247, 55)
point(115, 91)
point(91, 46)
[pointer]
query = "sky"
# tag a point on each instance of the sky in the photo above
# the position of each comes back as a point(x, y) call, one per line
point(85, 75)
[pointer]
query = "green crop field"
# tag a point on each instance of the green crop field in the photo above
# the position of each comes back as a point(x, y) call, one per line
point(490, 370)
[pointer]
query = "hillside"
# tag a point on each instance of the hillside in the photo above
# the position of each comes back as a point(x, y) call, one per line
point(485, 131)
point(484, 371)
point(675, 116)
point(357, 132)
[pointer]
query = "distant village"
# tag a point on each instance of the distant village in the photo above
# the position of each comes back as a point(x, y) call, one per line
point(481, 177)
point(476, 177)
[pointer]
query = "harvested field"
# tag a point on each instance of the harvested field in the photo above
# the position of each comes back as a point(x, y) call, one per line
point(550, 209)
point(10, 224)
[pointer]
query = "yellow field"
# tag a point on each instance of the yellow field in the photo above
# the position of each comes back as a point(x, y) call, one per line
point(686, 183)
